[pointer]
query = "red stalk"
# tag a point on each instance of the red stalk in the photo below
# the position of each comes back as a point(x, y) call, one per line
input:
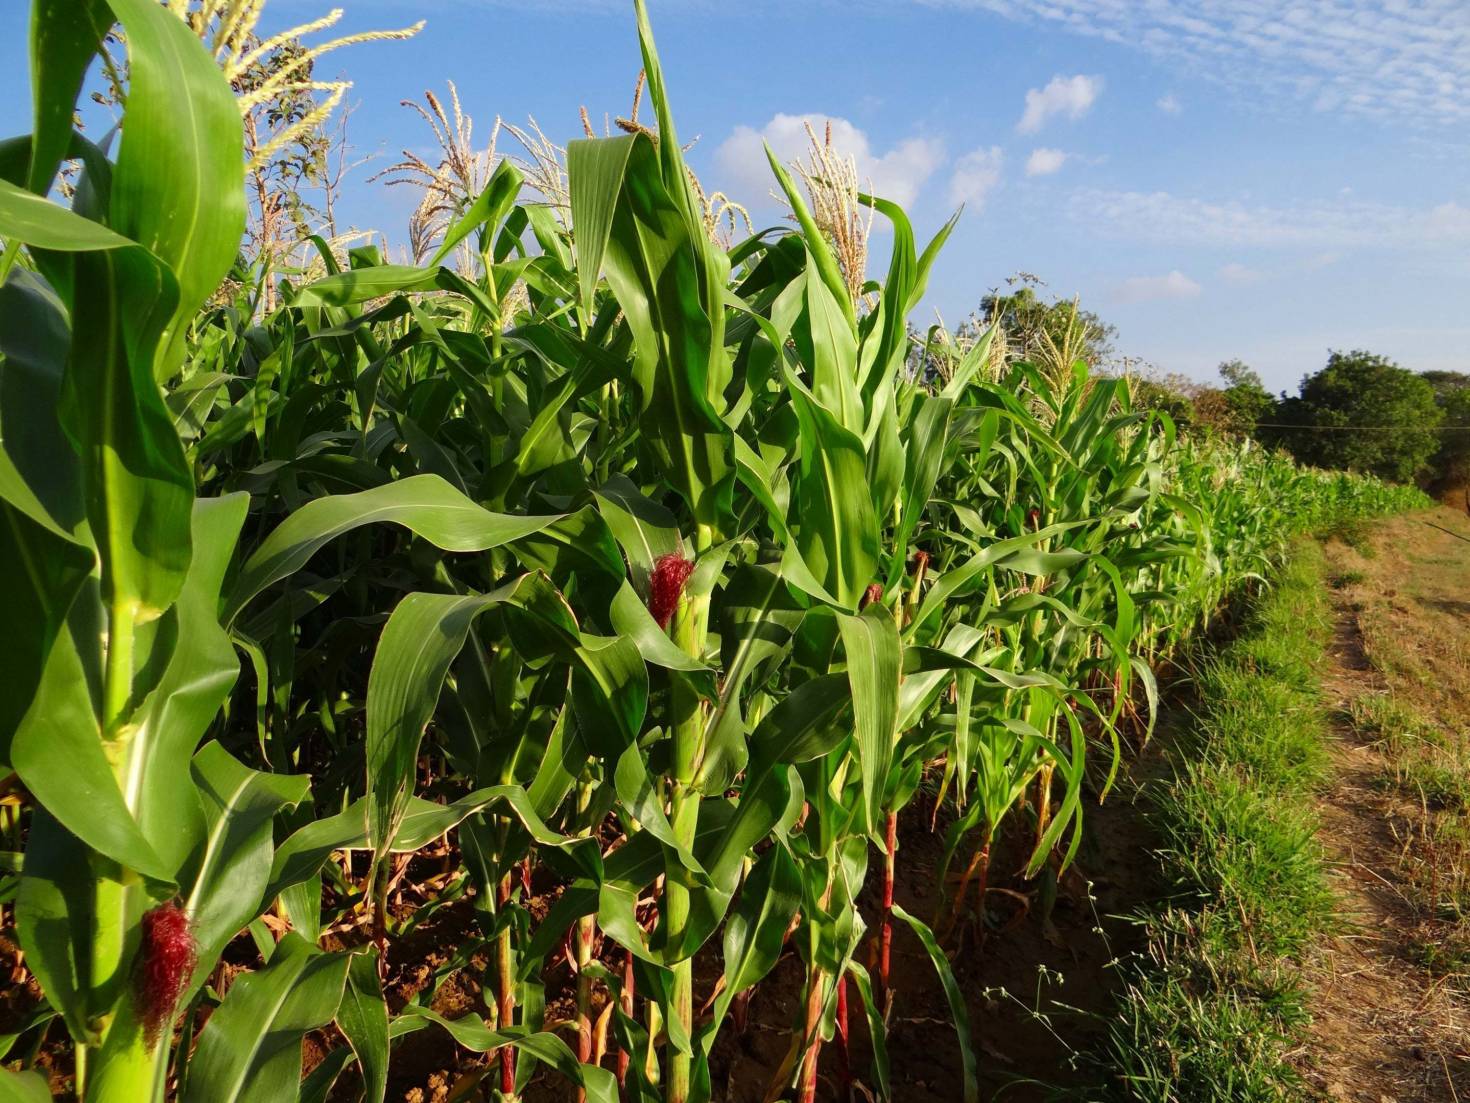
point(507, 1001)
point(844, 1064)
point(586, 932)
point(885, 933)
point(627, 999)
point(813, 1038)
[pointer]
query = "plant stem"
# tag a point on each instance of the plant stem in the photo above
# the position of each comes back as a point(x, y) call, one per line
point(979, 866)
point(844, 1063)
point(885, 933)
point(126, 1069)
point(586, 932)
point(812, 1035)
point(122, 1069)
point(507, 993)
point(690, 627)
point(627, 1001)
point(1043, 800)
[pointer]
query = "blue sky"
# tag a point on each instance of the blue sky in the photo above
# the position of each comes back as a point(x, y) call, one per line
point(1220, 179)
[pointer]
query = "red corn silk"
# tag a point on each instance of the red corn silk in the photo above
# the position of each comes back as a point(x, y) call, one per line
point(165, 963)
point(873, 593)
point(666, 586)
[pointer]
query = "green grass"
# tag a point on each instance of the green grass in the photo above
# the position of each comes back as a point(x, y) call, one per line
point(1353, 531)
point(1425, 764)
point(1212, 1011)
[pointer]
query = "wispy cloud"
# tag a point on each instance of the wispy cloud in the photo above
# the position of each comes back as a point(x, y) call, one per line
point(976, 175)
point(1044, 161)
point(1069, 96)
point(1178, 220)
point(1169, 104)
point(897, 173)
point(1240, 274)
point(1142, 289)
point(1387, 59)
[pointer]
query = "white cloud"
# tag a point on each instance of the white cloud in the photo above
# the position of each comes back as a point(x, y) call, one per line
point(1069, 96)
point(1142, 289)
point(1169, 104)
point(1386, 59)
point(1044, 162)
point(895, 174)
point(1240, 274)
point(976, 174)
point(1323, 225)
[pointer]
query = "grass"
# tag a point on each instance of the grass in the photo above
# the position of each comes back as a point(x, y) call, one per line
point(1408, 595)
point(1355, 532)
point(1214, 1009)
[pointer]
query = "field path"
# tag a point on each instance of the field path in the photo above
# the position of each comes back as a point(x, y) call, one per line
point(1391, 1008)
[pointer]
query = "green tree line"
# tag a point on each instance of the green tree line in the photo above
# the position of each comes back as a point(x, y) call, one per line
point(1359, 412)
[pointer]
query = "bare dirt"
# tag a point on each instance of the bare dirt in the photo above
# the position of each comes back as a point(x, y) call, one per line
point(1388, 1026)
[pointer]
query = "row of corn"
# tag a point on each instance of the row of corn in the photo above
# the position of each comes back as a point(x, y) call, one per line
point(611, 571)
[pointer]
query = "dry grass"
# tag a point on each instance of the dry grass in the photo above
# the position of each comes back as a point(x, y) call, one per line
point(1393, 1006)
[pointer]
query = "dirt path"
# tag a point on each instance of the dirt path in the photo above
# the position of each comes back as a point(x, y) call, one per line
point(1391, 1013)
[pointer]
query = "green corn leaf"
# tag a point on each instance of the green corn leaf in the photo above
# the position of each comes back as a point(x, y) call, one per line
point(970, 1091)
point(250, 1050)
point(300, 857)
point(632, 620)
point(832, 518)
point(599, 1084)
point(42, 475)
point(363, 1020)
point(234, 863)
point(362, 284)
point(179, 185)
point(830, 351)
point(54, 917)
point(755, 932)
point(656, 262)
point(44, 571)
point(1001, 552)
point(26, 1086)
point(874, 662)
point(926, 438)
point(319, 1084)
point(32, 219)
point(59, 753)
point(424, 504)
point(803, 726)
point(199, 671)
point(816, 241)
point(138, 484)
point(644, 802)
point(420, 640)
point(489, 209)
point(645, 530)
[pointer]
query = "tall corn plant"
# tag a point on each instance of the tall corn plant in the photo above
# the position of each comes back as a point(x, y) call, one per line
point(144, 856)
point(106, 544)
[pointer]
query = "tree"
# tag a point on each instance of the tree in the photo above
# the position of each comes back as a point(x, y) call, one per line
point(1172, 394)
point(1452, 461)
point(1246, 401)
point(1446, 383)
point(1363, 412)
point(1048, 332)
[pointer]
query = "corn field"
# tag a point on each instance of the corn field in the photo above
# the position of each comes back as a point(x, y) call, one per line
point(614, 570)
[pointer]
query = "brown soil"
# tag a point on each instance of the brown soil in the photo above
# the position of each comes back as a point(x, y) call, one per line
point(1387, 1026)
